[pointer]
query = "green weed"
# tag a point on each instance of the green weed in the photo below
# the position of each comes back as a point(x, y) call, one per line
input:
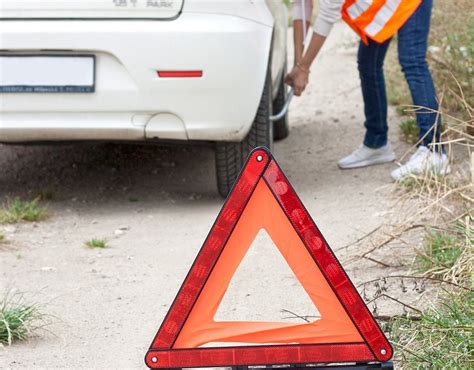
point(441, 251)
point(410, 131)
point(441, 338)
point(97, 243)
point(448, 254)
point(19, 210)
point(18, 319)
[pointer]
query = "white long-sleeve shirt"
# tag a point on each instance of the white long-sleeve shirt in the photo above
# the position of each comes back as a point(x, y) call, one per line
point(329, 13)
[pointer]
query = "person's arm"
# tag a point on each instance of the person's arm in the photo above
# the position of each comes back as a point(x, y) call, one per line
point(315, 45)
point(298, 31)
point(329, 13)
point(300, 10)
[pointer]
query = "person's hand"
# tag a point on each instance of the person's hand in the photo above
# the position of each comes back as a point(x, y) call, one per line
point(298, 79)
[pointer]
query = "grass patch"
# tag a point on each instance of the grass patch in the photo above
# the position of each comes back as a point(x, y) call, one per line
point(441, 338)
point(3, 238)
point(448, 254)
point(410, 131)
point(19, 210)
point(97, 243)
point(18, 319)
point(441, 251)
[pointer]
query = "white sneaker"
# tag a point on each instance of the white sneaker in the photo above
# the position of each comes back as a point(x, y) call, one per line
point(365, 156)
point(424, 160)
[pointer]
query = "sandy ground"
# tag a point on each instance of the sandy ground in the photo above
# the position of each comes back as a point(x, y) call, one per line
point(155, 207)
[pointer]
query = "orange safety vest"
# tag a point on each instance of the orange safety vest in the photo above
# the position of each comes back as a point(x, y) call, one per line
point(377, 19)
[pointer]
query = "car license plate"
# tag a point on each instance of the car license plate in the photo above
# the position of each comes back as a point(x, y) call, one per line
point(47, 73)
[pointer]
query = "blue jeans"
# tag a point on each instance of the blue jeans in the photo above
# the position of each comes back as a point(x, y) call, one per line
point(412, 46)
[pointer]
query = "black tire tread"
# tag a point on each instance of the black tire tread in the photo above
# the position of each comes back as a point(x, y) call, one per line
point(230, 157)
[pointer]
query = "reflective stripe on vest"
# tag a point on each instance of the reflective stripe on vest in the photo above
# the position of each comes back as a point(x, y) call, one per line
point(378, 19)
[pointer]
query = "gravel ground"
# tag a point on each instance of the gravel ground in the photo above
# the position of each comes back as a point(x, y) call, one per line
point(155, 206)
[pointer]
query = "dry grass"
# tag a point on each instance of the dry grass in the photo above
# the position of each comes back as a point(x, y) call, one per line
point(439, 337)
point(458, 143)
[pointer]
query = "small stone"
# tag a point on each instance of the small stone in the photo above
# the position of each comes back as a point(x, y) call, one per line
point(48, 269)
point(434, 49)
point(9, 229)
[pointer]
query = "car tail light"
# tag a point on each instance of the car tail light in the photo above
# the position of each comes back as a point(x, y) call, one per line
point(179, 74)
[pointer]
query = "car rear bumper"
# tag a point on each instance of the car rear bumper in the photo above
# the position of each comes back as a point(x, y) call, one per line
point(130, 101)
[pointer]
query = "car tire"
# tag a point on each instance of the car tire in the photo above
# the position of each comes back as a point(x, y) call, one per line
point(230, 157)
point(281, 128)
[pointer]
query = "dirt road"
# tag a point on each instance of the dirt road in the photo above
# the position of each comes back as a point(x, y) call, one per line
point(155, 207)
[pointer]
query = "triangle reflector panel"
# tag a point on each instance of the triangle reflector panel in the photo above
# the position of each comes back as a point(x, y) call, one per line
point(262, 198)
point(265, 288)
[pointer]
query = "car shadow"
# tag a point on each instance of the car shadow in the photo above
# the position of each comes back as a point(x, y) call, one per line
point(108, 172)
point(152, 174)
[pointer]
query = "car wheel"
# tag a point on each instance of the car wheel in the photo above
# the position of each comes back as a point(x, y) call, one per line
point(230, 157)
point(281, 128)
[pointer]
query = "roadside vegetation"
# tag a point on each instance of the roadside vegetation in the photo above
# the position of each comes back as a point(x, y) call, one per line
point(450, 56)
point(409, 130)
point(19, 320)
point(18, 210)
point(97, 243)
point(440, 336)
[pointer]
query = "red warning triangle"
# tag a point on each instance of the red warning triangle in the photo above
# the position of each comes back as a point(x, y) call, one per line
point(263, 198)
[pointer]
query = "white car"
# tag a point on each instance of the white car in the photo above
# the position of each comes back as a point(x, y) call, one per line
point(145, 71)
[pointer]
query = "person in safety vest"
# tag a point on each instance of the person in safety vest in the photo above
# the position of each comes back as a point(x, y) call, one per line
point(376, 21)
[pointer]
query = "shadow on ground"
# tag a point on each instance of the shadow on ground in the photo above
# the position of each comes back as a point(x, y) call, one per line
point(107, 172)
